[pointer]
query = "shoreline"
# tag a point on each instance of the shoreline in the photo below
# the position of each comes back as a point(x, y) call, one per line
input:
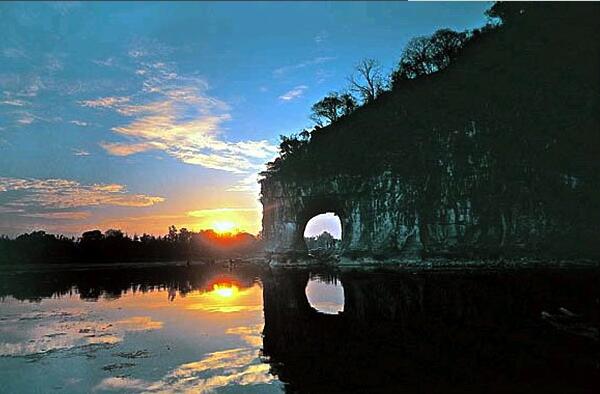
point(440, 264)
point(41, 267)
point(343, 265)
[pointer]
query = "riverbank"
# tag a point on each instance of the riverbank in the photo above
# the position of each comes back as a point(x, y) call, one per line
point(42, 267)
point(436, 263)
point(343, 263)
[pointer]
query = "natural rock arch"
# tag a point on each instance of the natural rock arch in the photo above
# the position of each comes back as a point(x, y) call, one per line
point(316, 206)
point(323, 233)
point(376, 216)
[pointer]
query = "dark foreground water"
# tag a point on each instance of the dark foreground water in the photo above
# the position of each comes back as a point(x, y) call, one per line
point(250, 329)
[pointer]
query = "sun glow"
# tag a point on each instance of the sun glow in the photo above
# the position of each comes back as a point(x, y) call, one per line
point(225, 290)
point(223, 227)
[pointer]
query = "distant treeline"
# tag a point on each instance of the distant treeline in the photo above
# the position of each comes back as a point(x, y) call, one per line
point(115, 246)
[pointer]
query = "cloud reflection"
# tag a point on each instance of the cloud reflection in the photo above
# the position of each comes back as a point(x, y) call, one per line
point(233, 367)
point(48, 332)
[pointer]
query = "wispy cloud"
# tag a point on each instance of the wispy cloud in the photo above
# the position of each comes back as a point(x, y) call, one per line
point(293, 67)
point(105, 102)
point(62, 193)
point(126, 149)
point(14, 103)
point(65, 215)
point(135, 53)
point(32, 88)
point(80, 152)
point(79, 123)
point(108, 62)
point(181, 120)
point(144, 48)
point(27, 117)
point(10, 210)
point(53, 63)
point(14, 53)
point(25, 120)
point(322, 37)
point(295, 93)
point(247, 184)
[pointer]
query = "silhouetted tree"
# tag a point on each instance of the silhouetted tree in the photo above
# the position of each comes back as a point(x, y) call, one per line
point(367, 81)
point(322, 241)
point(290, 145)
point(91, 236)
point(332, 107)
point(184, 235)
point(505, 11)
point(115, 246)
point(427, 55)
point(113, 234)
point(172, 234)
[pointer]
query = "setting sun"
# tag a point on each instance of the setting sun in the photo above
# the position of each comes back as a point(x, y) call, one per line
point(223, 227)
point(225, 290)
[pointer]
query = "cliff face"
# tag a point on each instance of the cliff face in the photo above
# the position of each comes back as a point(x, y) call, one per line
point(375, 214)
point(383, 217)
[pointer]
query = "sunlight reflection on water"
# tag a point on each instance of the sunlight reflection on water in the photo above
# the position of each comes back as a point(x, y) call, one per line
point(155, 341)
point(208, 328)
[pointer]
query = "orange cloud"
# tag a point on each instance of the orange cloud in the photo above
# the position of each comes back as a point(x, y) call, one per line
point(120, 149)
point(63, 193)
point(184, 122)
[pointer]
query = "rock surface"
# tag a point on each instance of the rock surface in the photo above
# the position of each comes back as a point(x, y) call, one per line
point(383, 219)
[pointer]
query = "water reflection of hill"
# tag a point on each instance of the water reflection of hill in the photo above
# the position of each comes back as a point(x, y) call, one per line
point(91, 284)
point(437, 332)
point(399, 331)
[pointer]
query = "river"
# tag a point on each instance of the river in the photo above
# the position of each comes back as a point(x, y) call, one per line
point(172, 328)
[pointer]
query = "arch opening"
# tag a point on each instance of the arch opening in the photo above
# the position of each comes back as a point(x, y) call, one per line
point(323, 234)
point(325, 294)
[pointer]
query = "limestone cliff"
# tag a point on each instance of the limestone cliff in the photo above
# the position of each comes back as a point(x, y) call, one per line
point(382, 218)
point(496, 155)
point(375, 213)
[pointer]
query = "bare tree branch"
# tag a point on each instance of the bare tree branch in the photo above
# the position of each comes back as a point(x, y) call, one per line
point(367, 81)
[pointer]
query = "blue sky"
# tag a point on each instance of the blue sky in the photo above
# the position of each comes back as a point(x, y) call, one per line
point(139, 115)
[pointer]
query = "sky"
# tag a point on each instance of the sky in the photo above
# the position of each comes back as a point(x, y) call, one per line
point(142, 115)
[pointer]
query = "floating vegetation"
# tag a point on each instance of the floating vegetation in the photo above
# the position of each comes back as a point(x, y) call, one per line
point(134, 354)
point(117, 366)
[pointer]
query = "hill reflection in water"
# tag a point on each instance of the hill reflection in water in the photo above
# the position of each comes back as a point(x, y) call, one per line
point(199, 328)
point(437, 332)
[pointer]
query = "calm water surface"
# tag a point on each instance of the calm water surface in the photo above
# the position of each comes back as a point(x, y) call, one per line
point(250, 329)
